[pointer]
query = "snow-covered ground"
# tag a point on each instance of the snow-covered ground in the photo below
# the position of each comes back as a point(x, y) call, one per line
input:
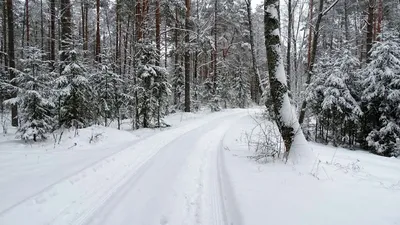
point(195, 172)
point(338, 187)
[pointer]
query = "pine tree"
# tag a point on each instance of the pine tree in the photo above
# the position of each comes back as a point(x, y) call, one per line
point(381, 96)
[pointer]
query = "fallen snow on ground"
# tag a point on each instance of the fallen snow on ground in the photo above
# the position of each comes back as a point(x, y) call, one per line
point(29, 168)
point(197, 171)
point(338, 187)
point(98, 182)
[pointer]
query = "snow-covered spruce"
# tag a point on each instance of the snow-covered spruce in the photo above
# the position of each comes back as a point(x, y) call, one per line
point(33, 88)
point(331, 98)
point(74, 93)
point(152, 87)
point(381, 96)
point(110, 93)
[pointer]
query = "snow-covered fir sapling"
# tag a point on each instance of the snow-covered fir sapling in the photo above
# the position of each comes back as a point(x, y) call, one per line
point(74, 92)
point(152, 87)
point(33, 87)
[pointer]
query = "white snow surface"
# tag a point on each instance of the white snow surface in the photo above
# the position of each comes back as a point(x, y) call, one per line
point(196, 172)
point(340, 187)
point(167, 177)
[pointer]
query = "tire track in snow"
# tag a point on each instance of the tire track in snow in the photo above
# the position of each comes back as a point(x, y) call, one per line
point(45, 189)
point(223, 205)
point(204, 196)
point(72, 200)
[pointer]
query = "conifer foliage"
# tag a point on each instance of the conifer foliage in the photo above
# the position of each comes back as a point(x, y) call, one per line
point(33, 89)
point(381, 96)
point(332, 98)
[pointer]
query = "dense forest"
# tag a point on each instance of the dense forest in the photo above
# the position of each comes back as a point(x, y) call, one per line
point(76, 63)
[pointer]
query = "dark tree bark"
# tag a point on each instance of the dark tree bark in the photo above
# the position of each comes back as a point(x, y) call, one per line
point(287, 123)
point(98, 41)
point(41, 26)
point(187, 55)
point(11, 56)
point(138, 20)
point(52, 31)
point(27, 22)
point(3, 55)
point(311, 56)
point(4, 41)
point(321, 14)
point(66, 31)
point(215, 52)
point(289, 43)
point(196, 56)
point(346, 21)
point(380, 18)
point(370, 28)
point(310, 31)
point(158, 31)
point(176, 56)
point(256, 86)
point(118, 40)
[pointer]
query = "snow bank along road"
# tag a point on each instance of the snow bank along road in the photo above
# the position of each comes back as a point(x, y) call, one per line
point(173, 177)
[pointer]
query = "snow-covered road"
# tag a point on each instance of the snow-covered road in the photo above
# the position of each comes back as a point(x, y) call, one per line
point(172, 177)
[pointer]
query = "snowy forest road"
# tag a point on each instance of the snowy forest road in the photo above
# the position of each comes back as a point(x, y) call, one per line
point(173, 177)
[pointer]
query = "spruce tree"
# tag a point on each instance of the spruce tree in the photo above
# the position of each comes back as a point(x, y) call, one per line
point(381, 96)
point(152, 87)
point(33, 89)
point(75, 94)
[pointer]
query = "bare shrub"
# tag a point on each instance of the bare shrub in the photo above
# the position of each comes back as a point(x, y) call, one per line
point(264, 140)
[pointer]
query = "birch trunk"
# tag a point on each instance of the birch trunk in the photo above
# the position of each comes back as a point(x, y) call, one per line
point(284, 114)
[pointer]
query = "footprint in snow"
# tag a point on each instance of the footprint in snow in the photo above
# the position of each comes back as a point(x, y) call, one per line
point(163, 220)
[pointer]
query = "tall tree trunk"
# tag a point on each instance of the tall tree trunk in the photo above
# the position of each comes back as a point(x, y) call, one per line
point(256, 75)
point(176, 57)
point(165, 43)
point(27, 21)
point(289, 43)
point(83, 25)
point(196, 56)
point(158, 31)
point(52, 32)
point(311, 57)
point(4, 44)
point(11, 56)
point(370, 28)
point(215, 53)
point(117, 38)
point(3, 55)
point(98, 41)
point(66, 31)
point(310, 32)
point(126, 35)
point(187, 55)
point(286, 120)
point(380, 18)
point(86, 41)
point(346, 21)
point(41, 26)
point(139, 19)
